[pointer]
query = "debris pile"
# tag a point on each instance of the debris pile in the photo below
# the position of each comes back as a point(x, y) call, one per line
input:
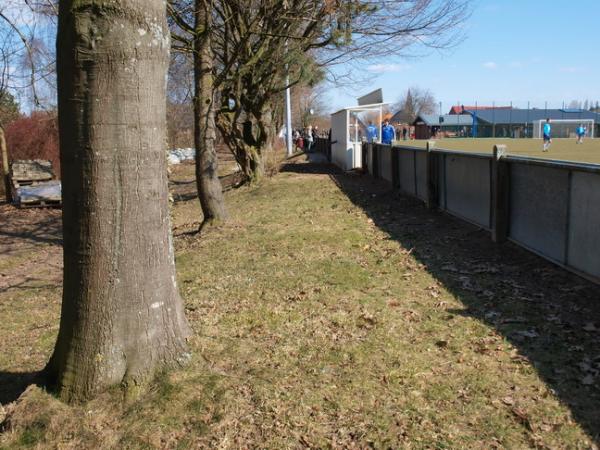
point(180, 155)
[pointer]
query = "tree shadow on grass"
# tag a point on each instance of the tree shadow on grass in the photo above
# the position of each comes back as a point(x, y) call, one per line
point(45, 231)
point(549, 315)
point(184, 191)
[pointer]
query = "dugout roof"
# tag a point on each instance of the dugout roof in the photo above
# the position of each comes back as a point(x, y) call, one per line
point(447, 120)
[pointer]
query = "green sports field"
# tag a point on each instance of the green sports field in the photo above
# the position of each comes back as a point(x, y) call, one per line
point(561, 149)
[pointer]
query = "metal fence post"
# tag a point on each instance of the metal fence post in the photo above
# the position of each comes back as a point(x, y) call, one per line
point(500, 195)
point(432, 176)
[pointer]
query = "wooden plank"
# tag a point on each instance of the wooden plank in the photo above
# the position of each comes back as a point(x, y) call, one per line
point(32, 170)
point(42, 204)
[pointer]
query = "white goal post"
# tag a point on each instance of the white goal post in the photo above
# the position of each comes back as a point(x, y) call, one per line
point(564, 128)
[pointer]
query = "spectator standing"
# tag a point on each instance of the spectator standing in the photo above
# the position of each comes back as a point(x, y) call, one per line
point(388, 134)
point(371, 133)
point(309, 139)
point(298, 140)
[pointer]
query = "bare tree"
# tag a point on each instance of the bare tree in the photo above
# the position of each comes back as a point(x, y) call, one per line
point(209, 186)
point(193, 26)
point(122, 317)
point(9, 110)
point(27, 31)
point(5, 168)
point(180, 107)
point(414, 102)
point(307, 103)
point(262, 41)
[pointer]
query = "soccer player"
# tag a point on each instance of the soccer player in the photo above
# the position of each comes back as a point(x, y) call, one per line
point(580, 133)
point(388, 134)
point(547, 135)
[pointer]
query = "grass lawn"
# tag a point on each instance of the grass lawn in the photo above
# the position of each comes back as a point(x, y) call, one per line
point(561, 149)
point(329, 313)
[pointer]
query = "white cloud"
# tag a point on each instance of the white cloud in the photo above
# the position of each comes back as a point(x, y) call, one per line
point(490, 65)
point(387, 68)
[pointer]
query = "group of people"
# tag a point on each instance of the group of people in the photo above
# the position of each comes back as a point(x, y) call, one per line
point(304, 139)
point(580, 132)
point(388, 133)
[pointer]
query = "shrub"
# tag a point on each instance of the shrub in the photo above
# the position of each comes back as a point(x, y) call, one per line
point(34, 137)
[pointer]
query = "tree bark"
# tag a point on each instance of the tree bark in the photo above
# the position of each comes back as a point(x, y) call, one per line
point(5, 167)
point(122, 317)
point(210, 190)
point(241, 145)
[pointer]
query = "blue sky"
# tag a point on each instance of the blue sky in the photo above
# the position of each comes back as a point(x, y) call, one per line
point(514, 50)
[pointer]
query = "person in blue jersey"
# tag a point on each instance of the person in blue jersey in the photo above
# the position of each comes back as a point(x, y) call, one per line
point(371, 133)
point(547, 135)
point(580, 131)
point(388, 134)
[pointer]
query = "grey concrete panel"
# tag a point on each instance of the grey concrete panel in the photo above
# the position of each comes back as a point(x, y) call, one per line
point(406, 172)
point(442, 181)
point(370, 158)
point(468, 188)
point(584, 223)
point(421, 174)
point(538, 208)
point(385, 162)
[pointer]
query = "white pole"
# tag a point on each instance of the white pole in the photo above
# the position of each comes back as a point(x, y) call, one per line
point(288, 117)
point(288, 109)
point(380, 124)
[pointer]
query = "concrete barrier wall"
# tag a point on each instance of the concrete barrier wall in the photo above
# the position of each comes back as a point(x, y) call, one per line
point(421, 174)
point(406, 171)
point(441, 181)
point(468, 188)
point(538, 209)
point(584, 223)
point(385, 162)
point(369, 150)
point(553, 207)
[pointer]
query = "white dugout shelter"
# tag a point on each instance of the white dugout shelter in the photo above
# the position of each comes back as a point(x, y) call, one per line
point(348, 128)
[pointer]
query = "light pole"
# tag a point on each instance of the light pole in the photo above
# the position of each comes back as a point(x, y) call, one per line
point(288, 109)
point(288, 117)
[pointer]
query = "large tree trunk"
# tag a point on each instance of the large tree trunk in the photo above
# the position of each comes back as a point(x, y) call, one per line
point(210, 190)
point(268, 135)
point(241, 145)
point(5, 167)
point(251, 156)
point(122, 318)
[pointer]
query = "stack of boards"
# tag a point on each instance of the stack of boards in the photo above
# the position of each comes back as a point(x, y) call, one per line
point(34, 184)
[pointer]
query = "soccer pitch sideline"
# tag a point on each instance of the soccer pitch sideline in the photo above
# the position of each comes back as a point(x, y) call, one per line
point(561, 149)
